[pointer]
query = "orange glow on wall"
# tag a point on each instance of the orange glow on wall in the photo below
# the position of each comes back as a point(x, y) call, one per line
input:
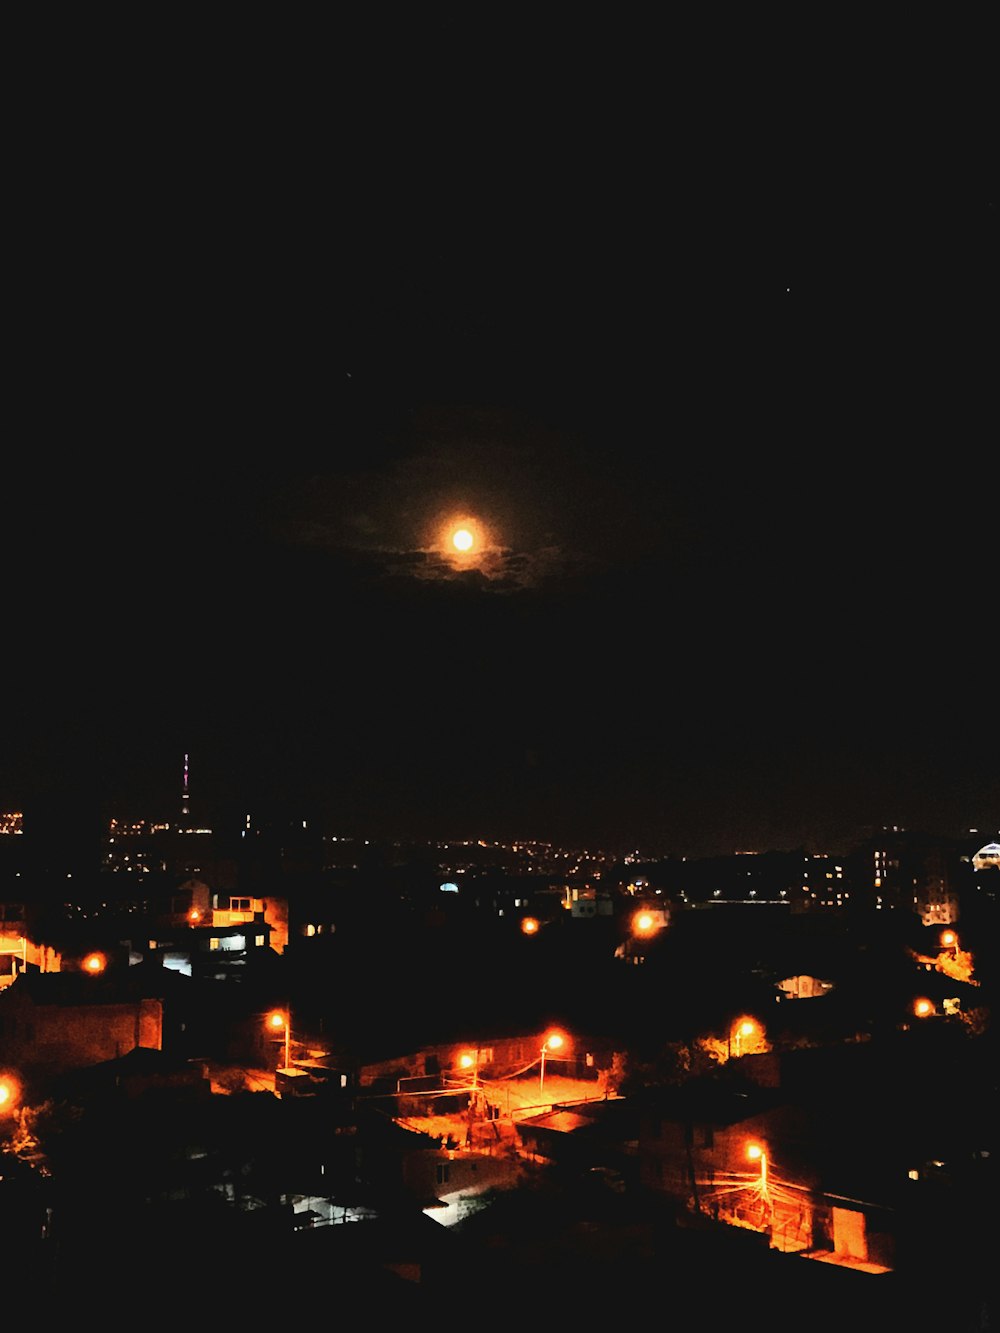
point(849, 1234)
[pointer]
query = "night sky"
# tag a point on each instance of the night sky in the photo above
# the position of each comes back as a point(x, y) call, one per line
point(698, 337)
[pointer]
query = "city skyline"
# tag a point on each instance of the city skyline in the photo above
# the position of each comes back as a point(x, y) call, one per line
point(162, 806)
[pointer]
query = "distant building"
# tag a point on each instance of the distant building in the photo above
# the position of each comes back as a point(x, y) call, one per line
point(900, 870)
point(988, 857)
point(13, 942)
point(585, 901)
point(212, 934)
point(825, 884)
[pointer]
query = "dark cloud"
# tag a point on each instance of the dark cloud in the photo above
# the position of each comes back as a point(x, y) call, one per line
point(548, 507)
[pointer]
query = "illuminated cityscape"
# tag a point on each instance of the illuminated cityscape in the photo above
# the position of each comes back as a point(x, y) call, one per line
point(738, 1000)
point(497, 815)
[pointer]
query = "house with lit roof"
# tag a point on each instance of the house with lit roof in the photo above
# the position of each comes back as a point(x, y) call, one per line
point(988, 857)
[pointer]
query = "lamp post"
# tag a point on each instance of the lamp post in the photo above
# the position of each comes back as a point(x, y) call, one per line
point(282, 1020)
point(552, 1042)
point(746, 1028)
point(756, 1152)
point(469, 1061)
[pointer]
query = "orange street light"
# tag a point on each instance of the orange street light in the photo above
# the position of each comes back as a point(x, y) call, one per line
point(923, 1008)
point(949, 940)
point(8, 1093)
point(529, 925)
point(94, 963)
point(756, 1153)
point(470, 1060)
point(741, 1031)
point(279, 1021)
point(551, 1043)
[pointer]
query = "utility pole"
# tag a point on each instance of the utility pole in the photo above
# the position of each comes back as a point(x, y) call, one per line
point(473, 1099)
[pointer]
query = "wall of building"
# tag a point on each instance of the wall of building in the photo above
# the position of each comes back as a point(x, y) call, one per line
point(65, 1037)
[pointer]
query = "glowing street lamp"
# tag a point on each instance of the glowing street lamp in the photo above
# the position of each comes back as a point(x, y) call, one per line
point(644, 923)
point(469, 1061)
point(551, 1043)
point(923, 1008)
point(756, 1153)
point(278, 1021)
point(9, 1093)
point(529, 925)
point(741, 1031)
point(94, 964)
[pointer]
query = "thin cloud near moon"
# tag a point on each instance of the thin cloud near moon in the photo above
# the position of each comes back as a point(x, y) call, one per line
point(399, 519)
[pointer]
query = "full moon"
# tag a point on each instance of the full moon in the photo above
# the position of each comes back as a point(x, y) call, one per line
point(462, 539)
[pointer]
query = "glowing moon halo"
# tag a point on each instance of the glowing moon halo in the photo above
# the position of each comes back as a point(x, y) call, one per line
point(462, 539)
